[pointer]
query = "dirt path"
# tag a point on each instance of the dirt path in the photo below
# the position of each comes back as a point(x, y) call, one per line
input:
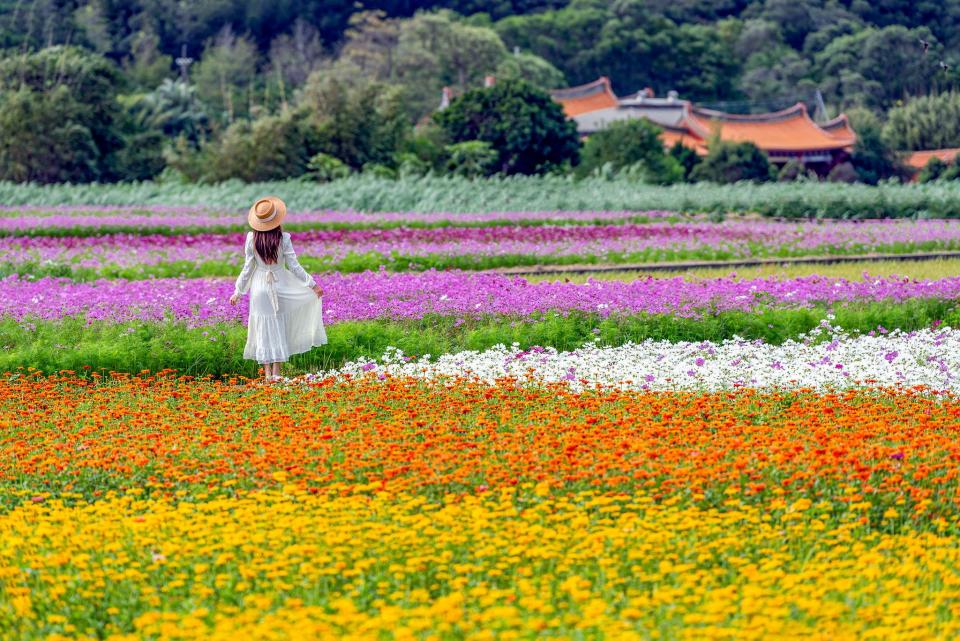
point(541, 270)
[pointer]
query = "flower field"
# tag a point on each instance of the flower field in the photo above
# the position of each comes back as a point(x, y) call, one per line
point(89, 244)
point(476, 455)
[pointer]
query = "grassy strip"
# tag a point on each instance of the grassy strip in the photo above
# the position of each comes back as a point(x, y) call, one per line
point(921, 269)
point(397, 262)
point(72, 344)
point(166, 230)
point(521, 193)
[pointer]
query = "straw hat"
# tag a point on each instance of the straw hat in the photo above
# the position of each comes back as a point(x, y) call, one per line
point(267, 213)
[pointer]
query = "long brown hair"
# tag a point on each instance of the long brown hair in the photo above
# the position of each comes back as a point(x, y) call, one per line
point(267, 244)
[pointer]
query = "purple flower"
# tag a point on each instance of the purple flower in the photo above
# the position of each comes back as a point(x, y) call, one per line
point(891, 356)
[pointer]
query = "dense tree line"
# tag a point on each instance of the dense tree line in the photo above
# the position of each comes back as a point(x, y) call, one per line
point(92, 89)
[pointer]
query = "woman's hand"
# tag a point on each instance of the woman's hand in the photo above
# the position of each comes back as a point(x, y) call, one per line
point(234, 298)
point(317, 290)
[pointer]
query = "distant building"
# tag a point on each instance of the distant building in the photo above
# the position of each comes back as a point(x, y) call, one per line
point(917, 160)
point(784, 135)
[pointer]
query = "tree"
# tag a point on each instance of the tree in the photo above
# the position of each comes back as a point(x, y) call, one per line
point(933, 170)
point(294, 56)
point(877, 67)
point(872, 158)
point(435, 50)
point(147, 66)
point(532, 68)
point(566, 37)
point(43, 139)
point(59, 116)
point(360, 125)
point(926, 122)
point(522, 123)
point(371, 45)
point(225, 73)
point(626, 144)
point(270, 148)
point(688, 158)
point(472, 159)
point(729, 162)
point(173, 109)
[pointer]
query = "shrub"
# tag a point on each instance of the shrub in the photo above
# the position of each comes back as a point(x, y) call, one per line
point(843, 173)
point(790, 171)
point(872, 158)
point(59, 116)
point(324, 168)
point(631, 144)
point(472, 159)
point(729, 162)
point(380, 171)
point(932, 170)
point(926, 122)
point(688, 158)
point(524, 126)
point(271, 148)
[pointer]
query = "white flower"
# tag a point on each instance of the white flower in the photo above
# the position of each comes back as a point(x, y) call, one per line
point(826, 358)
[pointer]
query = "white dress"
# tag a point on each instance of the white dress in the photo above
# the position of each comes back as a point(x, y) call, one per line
point(286, 315)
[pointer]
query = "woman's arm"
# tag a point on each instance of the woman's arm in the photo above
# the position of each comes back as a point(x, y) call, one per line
point(249, 266)
point(290, 258)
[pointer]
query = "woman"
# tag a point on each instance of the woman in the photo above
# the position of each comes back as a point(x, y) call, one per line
point(286, 309)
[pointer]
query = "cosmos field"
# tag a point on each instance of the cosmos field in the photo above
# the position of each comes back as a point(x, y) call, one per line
point(478, 455)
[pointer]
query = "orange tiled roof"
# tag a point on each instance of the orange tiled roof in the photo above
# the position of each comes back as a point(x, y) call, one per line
point(919, 159)
point(586, 98)
point(840, 129)
point(787, 130)
point(672, 135)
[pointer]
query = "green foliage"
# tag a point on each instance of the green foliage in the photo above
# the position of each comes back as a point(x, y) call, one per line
point(174, 109)
point(729, 162)
point(932, 170)
point(218, 349)
point(936, 169)
point(532, 68)
point(380, 171)
point(225, 74)
point(324, 168)
point(271, 148)
point(631, 143)
point(59, 116)
point(688, 158)
point(521, 193)
point(926, 122)
point(523, 124)
point(790, 171)
point(877, 67)
point(472, 159)
point(358, 124)
point(845, 172)
point(872, 158)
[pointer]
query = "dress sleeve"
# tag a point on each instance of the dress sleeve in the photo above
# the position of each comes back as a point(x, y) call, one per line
point(249, 266)
point(290, 258)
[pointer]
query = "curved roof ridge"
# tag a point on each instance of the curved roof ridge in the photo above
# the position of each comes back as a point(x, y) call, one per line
point(798, 109)
point(690, 120)
point(601, 84)
point(834, 123)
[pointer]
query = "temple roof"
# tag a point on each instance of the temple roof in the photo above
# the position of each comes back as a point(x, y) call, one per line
point(840, 129)
point(673, 135)
point(781, 133)
point(789, 129)
point(586, 98)
point(919, 159)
